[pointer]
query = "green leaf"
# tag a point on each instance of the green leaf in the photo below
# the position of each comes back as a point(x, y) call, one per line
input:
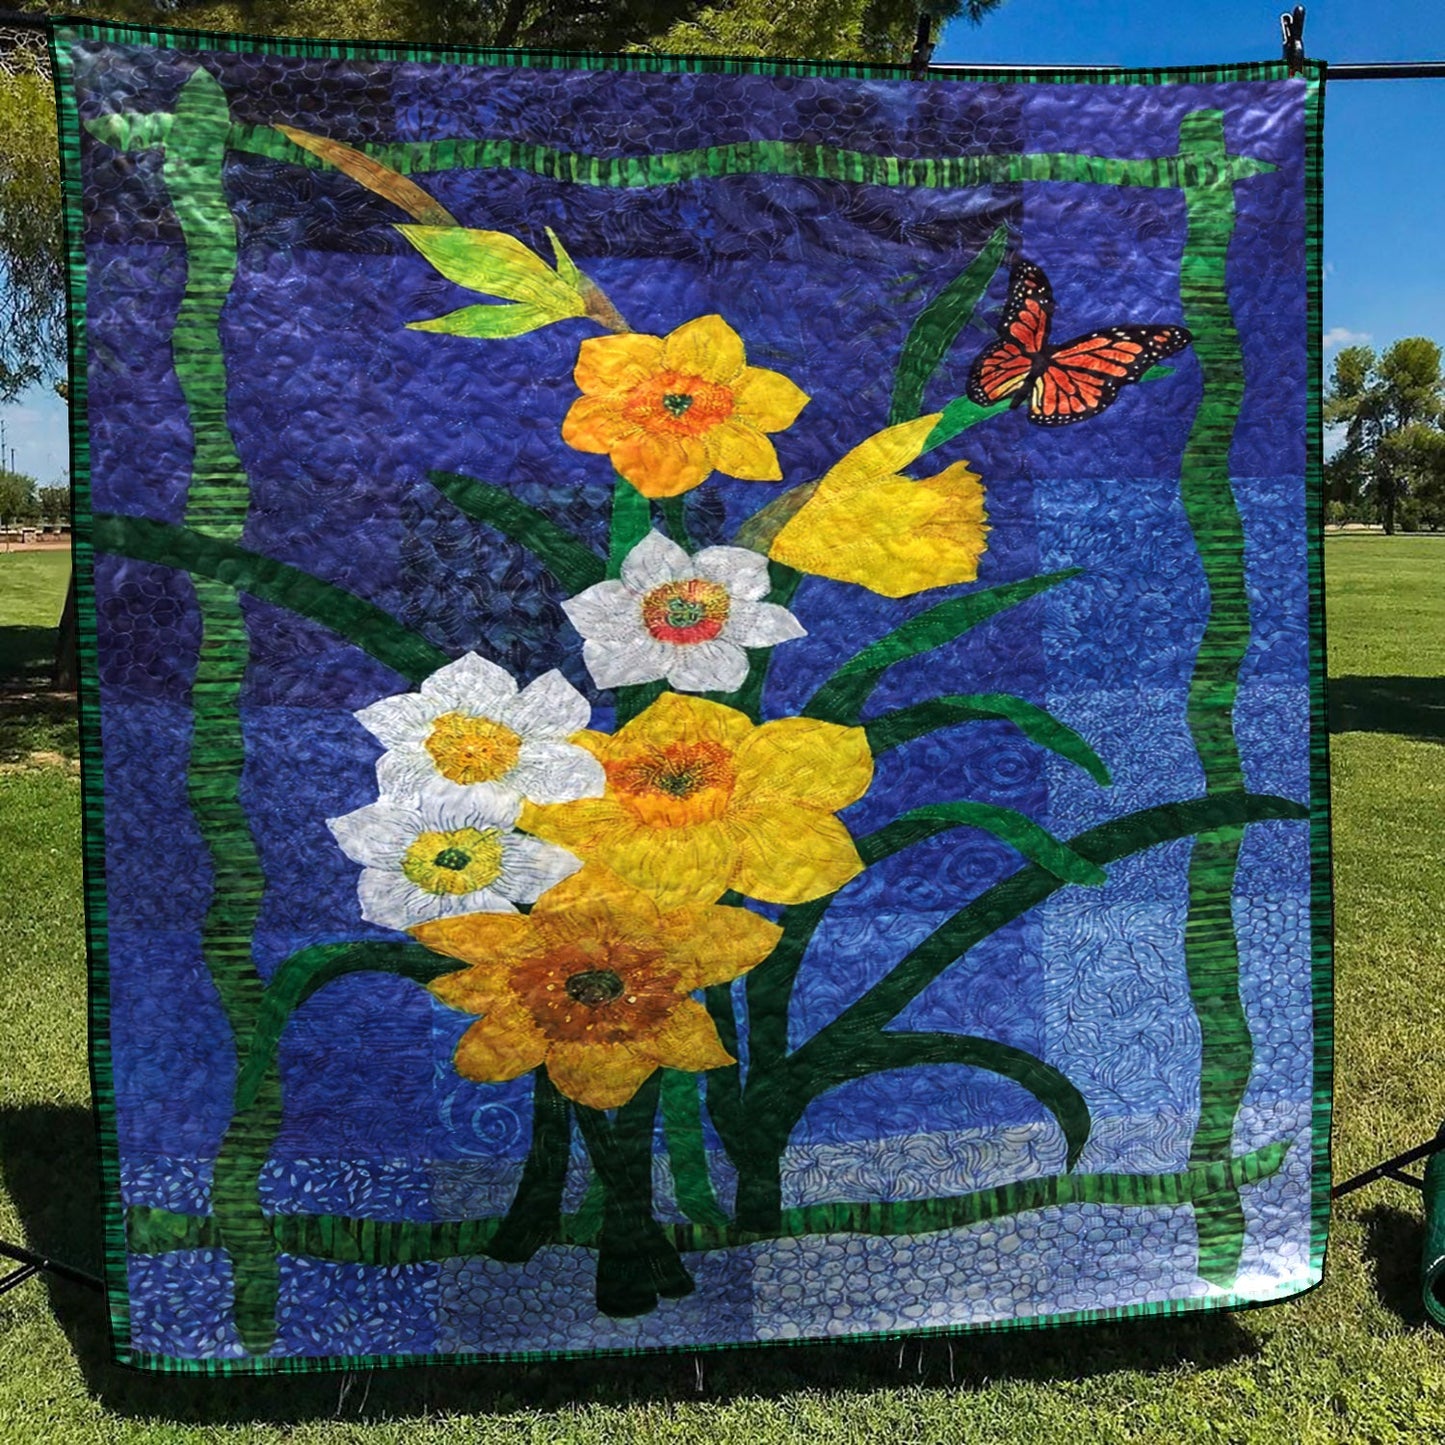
point(682, 1121)
point(566, 266)
point(1014, 828)
point(1012, 897)
point(892, 729)
point(938, 326)
point(843, 696)
point(488, 323)
point(958, 416)
point(302, 974)
point(883, 1051)
point(575, 565)
point(495, 264)
point(357, 621)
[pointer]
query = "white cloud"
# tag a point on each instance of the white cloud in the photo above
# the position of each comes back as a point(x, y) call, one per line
point(1343, 336)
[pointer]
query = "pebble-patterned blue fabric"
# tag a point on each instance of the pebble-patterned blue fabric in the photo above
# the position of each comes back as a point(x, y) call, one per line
point(702, 696)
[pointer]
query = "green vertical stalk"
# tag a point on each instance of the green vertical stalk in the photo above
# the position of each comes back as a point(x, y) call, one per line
point(217, 504)
point(636, 1262)
point(1211, 949)
point(535, 1215)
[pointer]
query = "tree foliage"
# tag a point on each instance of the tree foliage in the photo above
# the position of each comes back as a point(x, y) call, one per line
point(1391, 407)
point(32, 338)
point(877, 30)
point(17, 497)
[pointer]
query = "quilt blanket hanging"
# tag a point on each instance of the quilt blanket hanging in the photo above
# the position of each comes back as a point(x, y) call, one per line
point(703, 706)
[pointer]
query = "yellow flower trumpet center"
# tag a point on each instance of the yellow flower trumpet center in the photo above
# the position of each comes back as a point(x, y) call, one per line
point(682, 612)
point(676, 404)
point(675, 785)
point(459, 861)
point(604, 992)
point(470, 749)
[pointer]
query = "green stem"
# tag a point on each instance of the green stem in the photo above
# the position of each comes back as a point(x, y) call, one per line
point(674, 514)
point(682, 1123)
point(636, 1263)
point(217, 503)
point(1211, 950)
point(535, 1215)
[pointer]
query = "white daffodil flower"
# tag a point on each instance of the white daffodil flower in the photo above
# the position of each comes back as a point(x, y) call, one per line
point(469, 726)
point(445, 852)
point(684, 618)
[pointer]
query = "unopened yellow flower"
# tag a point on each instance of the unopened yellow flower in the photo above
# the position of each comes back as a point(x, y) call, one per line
point(700, 799)
point(866, 523)
point(670, 410)
point(594, 983)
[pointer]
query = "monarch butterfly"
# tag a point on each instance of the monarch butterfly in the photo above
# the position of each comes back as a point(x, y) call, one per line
point(1069, 382)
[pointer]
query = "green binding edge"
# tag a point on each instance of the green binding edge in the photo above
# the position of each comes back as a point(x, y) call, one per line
point(1322, 902)
point(61, 38)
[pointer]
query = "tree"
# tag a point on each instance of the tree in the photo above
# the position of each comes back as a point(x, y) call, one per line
point(32, 261)
point(1390, 407)
point(878, 30)
point(17, 497)
point(54, 502)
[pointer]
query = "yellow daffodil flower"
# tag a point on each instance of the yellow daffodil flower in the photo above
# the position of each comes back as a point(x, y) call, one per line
point(867, 523)
point(670, 410)
point(700, 799)
point(594, 984)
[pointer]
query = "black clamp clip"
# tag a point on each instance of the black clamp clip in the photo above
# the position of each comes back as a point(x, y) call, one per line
point(1292, 34)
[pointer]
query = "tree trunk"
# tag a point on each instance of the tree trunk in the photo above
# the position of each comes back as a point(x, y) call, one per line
point(66, 674)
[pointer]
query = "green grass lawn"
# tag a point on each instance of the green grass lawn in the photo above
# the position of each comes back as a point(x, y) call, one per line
point(1353, 1362)
point(32, 592)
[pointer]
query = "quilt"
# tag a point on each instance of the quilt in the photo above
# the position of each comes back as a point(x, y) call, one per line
point(702, 696)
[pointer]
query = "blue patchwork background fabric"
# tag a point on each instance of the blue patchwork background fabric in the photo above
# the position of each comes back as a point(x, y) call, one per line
point(703, 715)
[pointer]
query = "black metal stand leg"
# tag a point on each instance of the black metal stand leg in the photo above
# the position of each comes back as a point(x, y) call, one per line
point(1393, 1168)
point(32, 1264)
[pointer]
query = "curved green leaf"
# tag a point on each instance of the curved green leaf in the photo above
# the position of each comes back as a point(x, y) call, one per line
point(1019, 832)
point(357, 621)
point(488, 323)
point(1219, 814)
point(843, 696)
point(574, 564)
point(958, 416)
point(495, 264)
point(938, 326)
point(892, 729)
point(882, 1051)
point(300, 975)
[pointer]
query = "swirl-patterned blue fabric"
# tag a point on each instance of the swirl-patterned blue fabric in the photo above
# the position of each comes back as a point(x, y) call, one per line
point(703, 696)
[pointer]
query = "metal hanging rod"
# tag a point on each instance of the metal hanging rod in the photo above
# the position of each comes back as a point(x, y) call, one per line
point(921, 63)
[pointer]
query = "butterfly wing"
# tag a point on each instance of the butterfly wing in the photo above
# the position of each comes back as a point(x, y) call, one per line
point(1001, 369)
point(1084, 376)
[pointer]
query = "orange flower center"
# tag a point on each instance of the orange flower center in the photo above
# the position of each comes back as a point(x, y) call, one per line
point(677, 404)
point(604, 994)
point(472, 749)
point(681, 612)
point(675, 785)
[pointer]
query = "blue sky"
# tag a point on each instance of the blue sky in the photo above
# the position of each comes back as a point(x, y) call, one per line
point(1384, 163)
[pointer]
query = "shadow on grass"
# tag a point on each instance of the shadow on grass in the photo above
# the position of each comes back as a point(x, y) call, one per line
point(33, 718)
point(48, 1162)
point(1394, 1239)
point(1411, 707)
